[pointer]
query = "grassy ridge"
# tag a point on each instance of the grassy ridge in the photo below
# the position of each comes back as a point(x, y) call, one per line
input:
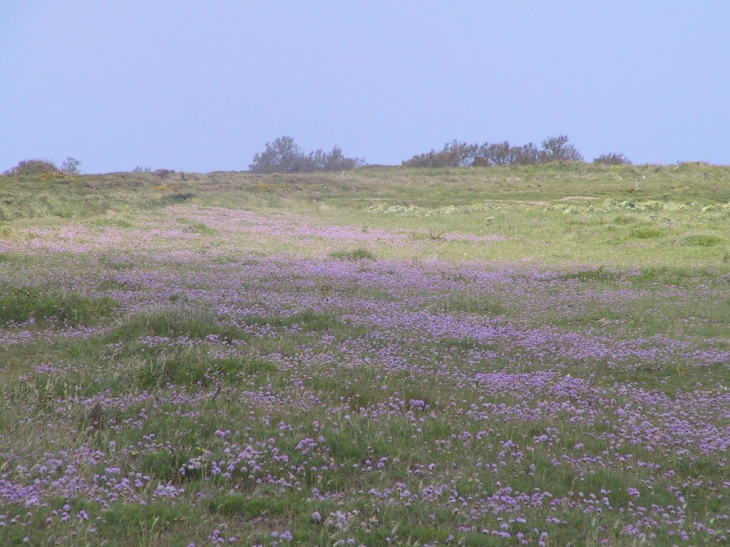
point(550, 214)
point(89, 195)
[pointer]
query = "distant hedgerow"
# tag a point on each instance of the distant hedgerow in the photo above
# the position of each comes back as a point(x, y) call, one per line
point(459, 154)
point(285, 156)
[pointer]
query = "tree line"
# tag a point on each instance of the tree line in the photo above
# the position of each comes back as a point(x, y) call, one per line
point(461, 154)
point(285, 156)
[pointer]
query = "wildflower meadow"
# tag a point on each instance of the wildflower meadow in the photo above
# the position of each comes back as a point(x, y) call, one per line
point(486, 356)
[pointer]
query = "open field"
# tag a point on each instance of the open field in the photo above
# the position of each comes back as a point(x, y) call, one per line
point(518, 356)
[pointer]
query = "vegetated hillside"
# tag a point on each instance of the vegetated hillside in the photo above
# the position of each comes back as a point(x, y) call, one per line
point(88, 195)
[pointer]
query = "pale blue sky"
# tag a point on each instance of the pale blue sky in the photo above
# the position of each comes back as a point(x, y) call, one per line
point(199, 85)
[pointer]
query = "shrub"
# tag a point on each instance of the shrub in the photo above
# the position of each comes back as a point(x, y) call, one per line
point(31, 167)
point(70, 166)
point(459, 154)
point(285, 156)
point(504, 154)
point(527, 154)
point(281, 155)
point(164, 173)
point(495, 154)
point(454, 154)
point(332, 161)
point(612, 159)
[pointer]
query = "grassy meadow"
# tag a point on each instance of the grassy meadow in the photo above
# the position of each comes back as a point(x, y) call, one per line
point(386, 356)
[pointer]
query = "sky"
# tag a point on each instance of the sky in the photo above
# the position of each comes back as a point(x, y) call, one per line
point(202, 85)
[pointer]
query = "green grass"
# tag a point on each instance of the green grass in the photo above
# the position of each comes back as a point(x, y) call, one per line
point(164, 382)
point(171, 322)
point(90, 195)
point(646, 233)
point(250, 508)
point(308, 320)
point(198, 227)
point(20, 305)
point(697, 240)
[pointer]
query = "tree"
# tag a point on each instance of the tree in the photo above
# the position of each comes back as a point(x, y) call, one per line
point(612, 159)
point(70, 166)
point(558, 149)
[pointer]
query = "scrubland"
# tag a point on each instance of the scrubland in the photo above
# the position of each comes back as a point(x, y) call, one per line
point(385, 356)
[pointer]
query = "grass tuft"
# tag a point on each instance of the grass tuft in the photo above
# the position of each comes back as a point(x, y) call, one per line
point(21, 305)
point(308, 321)
point(172, 322)
point(357, 254)
point(200, 228)
point(646, 233)
point(482, 304)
